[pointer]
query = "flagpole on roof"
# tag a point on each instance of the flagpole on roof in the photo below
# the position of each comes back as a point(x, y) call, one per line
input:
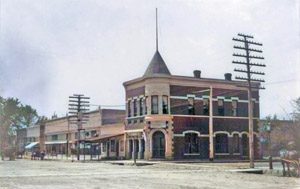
point(156, 32)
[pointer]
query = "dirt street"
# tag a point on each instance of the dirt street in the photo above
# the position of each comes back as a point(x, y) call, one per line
point(58, 174)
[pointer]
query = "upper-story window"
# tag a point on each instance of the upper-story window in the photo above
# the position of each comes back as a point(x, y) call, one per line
point(191, 106)
point(129, 108)
point(145, 105)
point(93, 133)
point(165, 104)
point(154, 104)
point(253, 109)
point(134, 108)
point(54, 137)
point(205, 107)
point(221, 107)
point(141, 106)
point(235, 108)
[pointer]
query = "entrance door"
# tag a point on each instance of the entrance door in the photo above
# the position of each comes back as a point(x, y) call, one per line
point(108, 148)
point(205, 148)
point(158, 145)
point(130, 149)
point(117, 149)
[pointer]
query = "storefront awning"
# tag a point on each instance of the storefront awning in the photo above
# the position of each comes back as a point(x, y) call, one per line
point(101, 137)
point(31, 145)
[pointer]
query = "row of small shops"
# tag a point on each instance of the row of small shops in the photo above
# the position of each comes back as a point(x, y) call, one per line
point(100, 138)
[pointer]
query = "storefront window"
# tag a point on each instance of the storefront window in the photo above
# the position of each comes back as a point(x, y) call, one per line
point(113, 145)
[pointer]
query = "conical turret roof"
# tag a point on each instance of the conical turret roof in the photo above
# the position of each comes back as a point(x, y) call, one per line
point(157, 67)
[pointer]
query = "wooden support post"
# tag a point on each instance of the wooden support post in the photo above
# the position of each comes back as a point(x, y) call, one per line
point(288, 168)
point(91, 150)
point(99, 150)
point(134, 156)
point(283, 168)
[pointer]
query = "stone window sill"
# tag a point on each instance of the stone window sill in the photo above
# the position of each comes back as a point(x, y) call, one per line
point(193, 154)
point(222, 154)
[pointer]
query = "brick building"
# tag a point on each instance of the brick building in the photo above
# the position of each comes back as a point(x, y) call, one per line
point(182, 117)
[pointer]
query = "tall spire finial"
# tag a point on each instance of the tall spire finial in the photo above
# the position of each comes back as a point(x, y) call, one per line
point(156, 32)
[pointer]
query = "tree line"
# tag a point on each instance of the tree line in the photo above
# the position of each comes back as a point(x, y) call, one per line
point(285, 134)
point(14, 116)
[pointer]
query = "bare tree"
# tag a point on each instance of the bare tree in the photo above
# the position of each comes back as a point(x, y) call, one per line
point(294, 124)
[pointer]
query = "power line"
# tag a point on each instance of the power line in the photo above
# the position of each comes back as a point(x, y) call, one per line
point(283, 81)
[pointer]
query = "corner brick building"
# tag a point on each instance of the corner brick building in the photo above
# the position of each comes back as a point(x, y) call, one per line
point(182, 117)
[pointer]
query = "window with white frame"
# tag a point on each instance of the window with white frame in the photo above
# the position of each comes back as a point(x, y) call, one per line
point(191, 105)
point(221, 143)
point(191, 143)
point(253, 109)
point(113, 146)
point(221, 107)
point(121, 145)
point(236, 143)
point(129, 108)
point(205, 106)
point(145, 105)
point(104, 147)
point(54, 137)
point(235, 108)
point(141, 106)
point(165, 104)
point(134, 107)
point(154, 104)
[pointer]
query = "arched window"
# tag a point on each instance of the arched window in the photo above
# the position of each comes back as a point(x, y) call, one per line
point(191, 143)
point(221, 143)
point(236, 143)
point(245, 144)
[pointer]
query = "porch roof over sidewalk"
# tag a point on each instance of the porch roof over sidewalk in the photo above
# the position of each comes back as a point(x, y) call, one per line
point(95, 139)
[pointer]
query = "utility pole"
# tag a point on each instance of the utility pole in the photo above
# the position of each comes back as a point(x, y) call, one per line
point(251, 82)
point(68, 137)
point(78, 107)
point(268, 128)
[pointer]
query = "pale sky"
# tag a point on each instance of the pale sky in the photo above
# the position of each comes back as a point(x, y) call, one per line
point(51, 49)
